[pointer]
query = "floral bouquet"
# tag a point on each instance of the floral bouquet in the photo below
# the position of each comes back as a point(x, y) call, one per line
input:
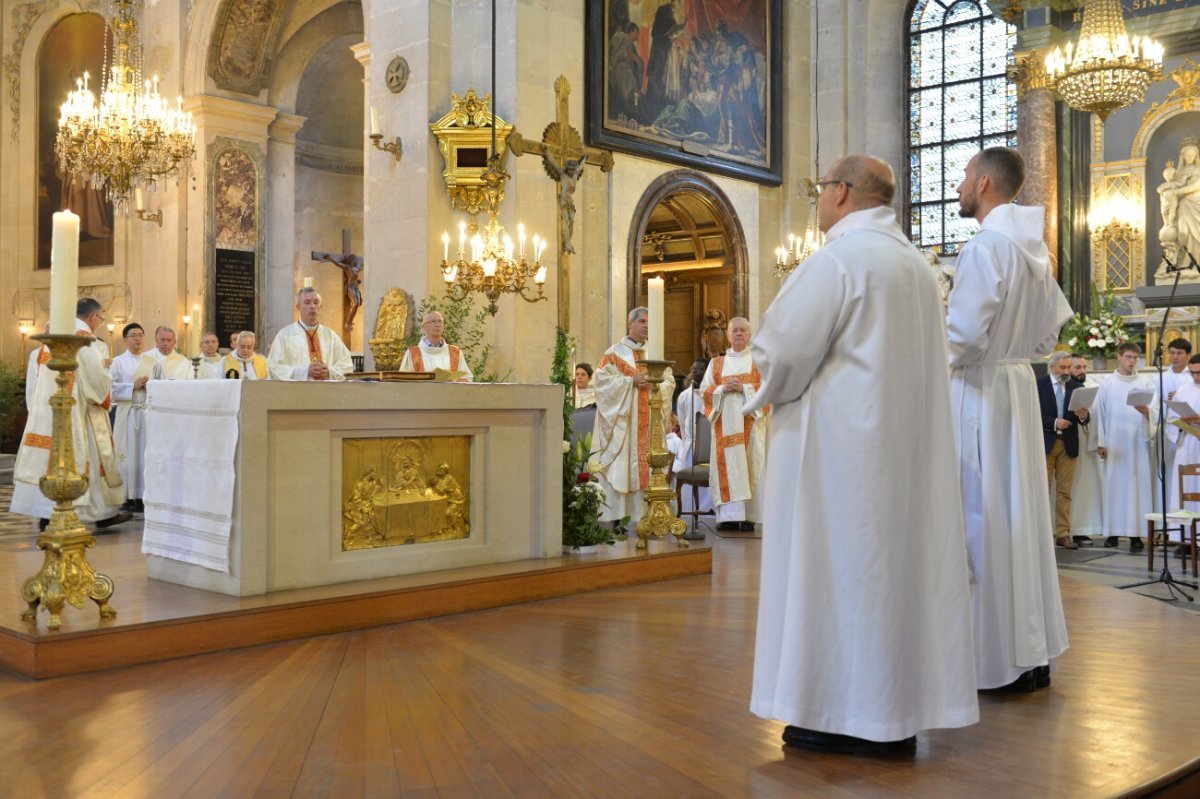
point(1098, 334)
point(582, 497)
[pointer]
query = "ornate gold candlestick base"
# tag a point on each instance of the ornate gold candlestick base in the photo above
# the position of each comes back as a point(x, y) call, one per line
point(658, 520)
point(66, 575)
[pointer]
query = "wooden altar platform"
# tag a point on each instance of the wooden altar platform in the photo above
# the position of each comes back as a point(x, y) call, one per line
point(158, 620)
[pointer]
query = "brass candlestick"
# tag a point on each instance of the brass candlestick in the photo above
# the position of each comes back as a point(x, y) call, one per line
point(66, 575)
point(658, 520)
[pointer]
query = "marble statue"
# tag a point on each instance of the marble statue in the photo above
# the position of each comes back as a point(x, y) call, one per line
point(1179, 201)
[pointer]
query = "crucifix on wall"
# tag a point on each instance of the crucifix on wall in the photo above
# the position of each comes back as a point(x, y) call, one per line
point(352, 267)
point(564, 158)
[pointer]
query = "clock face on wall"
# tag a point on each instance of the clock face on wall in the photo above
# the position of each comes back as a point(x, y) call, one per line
point(397, 74)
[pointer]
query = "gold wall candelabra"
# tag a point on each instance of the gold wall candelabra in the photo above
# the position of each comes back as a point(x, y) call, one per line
point(66, 576)
point(658, 520)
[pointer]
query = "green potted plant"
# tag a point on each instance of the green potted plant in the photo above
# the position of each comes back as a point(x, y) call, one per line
point(12, 403)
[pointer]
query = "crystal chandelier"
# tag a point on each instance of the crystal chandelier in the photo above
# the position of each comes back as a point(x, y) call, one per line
point(799, 249)
point(131, 137)
point(495, 267)
point(1107, 69)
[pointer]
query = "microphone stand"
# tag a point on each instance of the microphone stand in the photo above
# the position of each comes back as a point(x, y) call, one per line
point(1165, 577)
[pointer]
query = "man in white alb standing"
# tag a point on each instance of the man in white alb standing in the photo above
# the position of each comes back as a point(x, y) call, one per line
point(307, 349)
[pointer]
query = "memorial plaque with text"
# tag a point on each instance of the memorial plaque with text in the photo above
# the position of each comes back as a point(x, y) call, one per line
point(233, 293)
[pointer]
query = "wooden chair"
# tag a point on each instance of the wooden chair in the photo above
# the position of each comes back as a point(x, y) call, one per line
point(696, 475)
point(1176, 521)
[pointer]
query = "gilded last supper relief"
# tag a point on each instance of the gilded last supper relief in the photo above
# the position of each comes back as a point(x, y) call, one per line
point(405, 490)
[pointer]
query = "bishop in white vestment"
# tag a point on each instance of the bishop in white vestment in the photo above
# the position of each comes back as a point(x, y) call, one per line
point(244, 363)
point(1005, 310)
point(434, 352)
point(864, 627)
point(306, 349)
point(621, 438)
point(739, 443)
point(90, 430)
point(1125, 437)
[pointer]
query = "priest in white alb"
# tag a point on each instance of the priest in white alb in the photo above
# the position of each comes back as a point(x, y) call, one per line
point(210, 357)
point(434, 352)
point(1006, 309)
point(1125, 440)
point(130, 371)
point(92, 436)
point(739, 443)
point(864, 628)
point(244, 363)
point(621, 437)
point(307, 349)
point(172, 365)
point(1187, 445)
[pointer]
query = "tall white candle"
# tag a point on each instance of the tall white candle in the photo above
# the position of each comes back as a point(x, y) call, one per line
point(308, 282)
point(374, 121)
point(139, 200)
point(64, 273)
point(655, 293)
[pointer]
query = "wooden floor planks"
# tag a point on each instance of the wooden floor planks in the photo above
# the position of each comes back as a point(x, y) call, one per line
point(636, 691)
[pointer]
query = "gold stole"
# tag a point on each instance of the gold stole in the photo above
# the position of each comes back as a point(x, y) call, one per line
point(643, 409)
point(733, 439)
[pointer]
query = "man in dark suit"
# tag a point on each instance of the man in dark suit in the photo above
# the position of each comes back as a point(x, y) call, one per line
point(1060, 432)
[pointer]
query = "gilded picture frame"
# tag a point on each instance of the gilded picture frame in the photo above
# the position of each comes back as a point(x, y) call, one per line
point(692, 82)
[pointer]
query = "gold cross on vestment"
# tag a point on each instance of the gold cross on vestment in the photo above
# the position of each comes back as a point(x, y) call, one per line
point(563, 157)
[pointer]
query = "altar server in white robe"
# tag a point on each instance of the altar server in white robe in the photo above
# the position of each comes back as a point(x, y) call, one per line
point(1125, 437)
point(864, 629)
point(1187, 446)
point(307, 349)
point(1086, 517)
point(172, 365)
point(210, 357)
point(1005, 309)
point(687, 405)
point(130, 371)
point(621, 438)
point(739, 443)
point(94, 455)
point(28, 494)
point(434, 352)
point(244, 363)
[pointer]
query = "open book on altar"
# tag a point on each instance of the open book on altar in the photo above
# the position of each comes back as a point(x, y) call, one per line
point(447, 376)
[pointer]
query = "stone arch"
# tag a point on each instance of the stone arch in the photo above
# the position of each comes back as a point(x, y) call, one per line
point(689, 182)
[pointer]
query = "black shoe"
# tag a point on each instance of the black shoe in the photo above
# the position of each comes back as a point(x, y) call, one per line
point(728, 526)
point(832, 743)
point(1041, 676)
point(746, 527)
point(1027, 683)
point(139, 507)
point(1136, 545)
point(1110, 542)
point(43, 524)
point(113, 521)
point(130, 505)
point(1083, 540)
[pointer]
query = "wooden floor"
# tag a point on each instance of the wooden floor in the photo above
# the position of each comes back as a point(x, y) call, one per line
point(637, 691)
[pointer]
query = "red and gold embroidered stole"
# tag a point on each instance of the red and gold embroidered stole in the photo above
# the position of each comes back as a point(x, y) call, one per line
point(314, 344)
point(643, 409)
point(733, 439)
point(418, 362)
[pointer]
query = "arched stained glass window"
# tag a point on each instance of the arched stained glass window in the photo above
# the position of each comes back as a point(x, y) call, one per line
point(959, 101)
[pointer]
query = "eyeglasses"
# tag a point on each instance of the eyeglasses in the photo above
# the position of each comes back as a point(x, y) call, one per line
point(821, 184)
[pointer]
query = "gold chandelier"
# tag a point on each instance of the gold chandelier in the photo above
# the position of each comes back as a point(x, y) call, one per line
point(495, 265)
point(131, 137)
point(1107, 69)
point(799, 249)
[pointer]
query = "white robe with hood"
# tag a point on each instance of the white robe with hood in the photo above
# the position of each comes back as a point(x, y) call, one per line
point(1131, 487)
point(864, 622)
point(1005, 310)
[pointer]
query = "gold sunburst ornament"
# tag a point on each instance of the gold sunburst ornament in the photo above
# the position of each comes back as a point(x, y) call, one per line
point(1107, 69)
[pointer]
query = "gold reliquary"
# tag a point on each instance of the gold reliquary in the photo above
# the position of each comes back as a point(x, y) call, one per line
point(405, 490)
point(465, 140)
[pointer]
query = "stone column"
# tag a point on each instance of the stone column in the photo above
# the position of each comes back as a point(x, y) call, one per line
point(1037, 142)
point(280, 271)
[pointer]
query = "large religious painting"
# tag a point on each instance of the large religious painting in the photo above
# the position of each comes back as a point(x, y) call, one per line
point(405, 490)
point(235, 201)
point(693, 82)
point(73, 48)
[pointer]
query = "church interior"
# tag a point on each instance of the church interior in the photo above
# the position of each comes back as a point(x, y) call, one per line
point(524, 167)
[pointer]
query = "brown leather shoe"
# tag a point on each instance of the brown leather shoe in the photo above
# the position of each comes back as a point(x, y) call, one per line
point(1066, 542)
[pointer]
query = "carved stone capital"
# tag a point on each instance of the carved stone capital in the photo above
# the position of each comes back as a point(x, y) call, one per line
point(1028, 72)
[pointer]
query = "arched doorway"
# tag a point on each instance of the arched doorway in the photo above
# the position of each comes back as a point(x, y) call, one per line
point(686, 231)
